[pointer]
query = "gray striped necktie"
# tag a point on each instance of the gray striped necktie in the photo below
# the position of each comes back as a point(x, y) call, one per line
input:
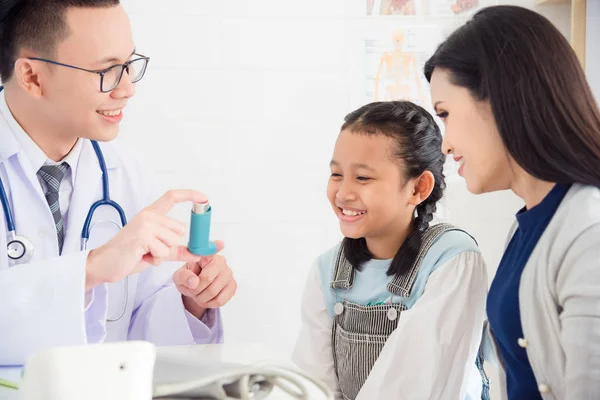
point(53, 175)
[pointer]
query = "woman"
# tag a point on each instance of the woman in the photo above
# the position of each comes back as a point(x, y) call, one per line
point(520, 115)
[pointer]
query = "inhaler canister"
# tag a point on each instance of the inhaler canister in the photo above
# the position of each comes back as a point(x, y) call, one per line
point(199, 243)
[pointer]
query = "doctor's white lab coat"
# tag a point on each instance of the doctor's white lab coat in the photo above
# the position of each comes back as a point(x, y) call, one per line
point(43, 303)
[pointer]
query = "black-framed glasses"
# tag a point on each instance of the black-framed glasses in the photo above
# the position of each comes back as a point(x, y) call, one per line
point(111, 77)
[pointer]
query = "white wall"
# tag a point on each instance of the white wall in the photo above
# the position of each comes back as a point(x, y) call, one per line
point(243, 101)
point(592, 48)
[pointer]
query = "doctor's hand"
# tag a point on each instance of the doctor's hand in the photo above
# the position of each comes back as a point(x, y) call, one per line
point(206, 283)
point(150, 238)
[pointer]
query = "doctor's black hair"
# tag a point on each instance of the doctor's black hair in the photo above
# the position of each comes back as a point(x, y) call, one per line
point(542, 104)
point(37, 25)
point(418, 148)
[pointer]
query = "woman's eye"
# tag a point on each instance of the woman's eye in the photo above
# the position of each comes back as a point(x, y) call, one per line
point(363, 178)
point(335, 175)
point(443, 115)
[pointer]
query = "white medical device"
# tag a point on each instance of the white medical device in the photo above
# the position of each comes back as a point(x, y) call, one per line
point(116, 371)
point(133, 371)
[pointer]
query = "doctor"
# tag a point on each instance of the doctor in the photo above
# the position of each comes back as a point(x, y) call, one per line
point(59, 293)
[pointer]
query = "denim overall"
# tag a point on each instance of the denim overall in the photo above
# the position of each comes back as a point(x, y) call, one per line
point(360, 332)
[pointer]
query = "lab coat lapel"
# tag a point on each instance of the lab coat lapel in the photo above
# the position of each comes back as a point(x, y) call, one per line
point(87, 189)
point(9, 147)
point(30, 210)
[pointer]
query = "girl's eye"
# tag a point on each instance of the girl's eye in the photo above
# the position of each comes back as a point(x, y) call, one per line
point(335, 175)
point(443, 115)
point(363, 178)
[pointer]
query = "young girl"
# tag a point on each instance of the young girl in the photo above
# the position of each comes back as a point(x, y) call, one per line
point(520, 115)
point(396, 310)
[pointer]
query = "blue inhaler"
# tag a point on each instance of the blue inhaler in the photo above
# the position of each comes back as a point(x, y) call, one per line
point(199, 243)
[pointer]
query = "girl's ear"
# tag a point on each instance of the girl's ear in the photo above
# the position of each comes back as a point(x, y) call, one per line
point(421, 188)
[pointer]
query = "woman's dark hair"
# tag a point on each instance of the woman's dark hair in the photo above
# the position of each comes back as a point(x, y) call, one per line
point(546, 114)
point(418, 144)
point(37, 25)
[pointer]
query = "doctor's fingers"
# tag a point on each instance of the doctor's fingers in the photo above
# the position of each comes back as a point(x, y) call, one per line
point(152, 230)
point(191, 281)
point(166, 202)
point(186, 281)
point(223, 297)
point(216, 271)
point(148, 217)
point(214, 289)
point(206, 260)
point(158, 252)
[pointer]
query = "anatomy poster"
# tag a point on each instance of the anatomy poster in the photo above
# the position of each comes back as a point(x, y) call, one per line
point(391, 7)
point(394, 60)
point(420, 7)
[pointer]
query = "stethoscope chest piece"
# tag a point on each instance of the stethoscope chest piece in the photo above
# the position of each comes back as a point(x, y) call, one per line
point(19, 249)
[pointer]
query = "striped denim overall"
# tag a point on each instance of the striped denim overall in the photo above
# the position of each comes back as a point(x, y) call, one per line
point(360, 332)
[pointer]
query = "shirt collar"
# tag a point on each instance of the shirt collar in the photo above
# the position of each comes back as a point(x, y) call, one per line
point(542, 213)
point(34, 154)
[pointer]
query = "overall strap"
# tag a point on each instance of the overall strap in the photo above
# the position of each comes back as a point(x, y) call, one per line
point(343, 273)
point(402, 284)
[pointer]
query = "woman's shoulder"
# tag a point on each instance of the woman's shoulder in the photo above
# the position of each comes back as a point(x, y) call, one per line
point(581, 204)
point(575, 228)
point(578, 213)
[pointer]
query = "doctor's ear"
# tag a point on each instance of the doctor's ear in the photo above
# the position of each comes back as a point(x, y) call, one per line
point(27, 76)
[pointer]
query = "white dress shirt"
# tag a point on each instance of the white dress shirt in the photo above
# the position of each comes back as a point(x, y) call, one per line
point(38, 158)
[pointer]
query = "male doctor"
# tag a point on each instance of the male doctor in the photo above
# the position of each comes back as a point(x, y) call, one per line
point(49, 113)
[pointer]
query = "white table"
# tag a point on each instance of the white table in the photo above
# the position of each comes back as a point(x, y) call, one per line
point(233, 353)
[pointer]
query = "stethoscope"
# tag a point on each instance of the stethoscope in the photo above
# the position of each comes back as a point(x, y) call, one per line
point(20, 249)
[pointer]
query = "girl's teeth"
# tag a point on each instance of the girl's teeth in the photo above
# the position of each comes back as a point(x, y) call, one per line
point(351, 213)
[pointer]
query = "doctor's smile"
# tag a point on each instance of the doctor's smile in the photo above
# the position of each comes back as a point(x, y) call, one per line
point(112, 115)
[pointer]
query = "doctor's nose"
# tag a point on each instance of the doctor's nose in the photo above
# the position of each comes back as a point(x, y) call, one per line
point(125, 89)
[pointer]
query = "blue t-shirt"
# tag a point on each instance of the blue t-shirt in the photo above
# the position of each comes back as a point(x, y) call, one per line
point(503, 299)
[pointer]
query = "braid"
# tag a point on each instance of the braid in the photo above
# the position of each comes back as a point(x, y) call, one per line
point(419, 143)
point(425, 212)
point(407, 254)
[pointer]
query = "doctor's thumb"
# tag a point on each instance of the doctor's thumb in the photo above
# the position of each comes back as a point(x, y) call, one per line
point(192, 282)
point(186, 277)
